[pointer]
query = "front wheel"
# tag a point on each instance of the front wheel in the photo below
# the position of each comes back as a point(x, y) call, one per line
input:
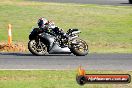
point(37, 48)
point(79, 48)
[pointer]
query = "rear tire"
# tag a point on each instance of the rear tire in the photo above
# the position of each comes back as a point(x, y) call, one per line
point(35, 49)
point(76, 48)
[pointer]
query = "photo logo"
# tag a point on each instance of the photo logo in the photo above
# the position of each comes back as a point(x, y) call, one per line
point(83, 78)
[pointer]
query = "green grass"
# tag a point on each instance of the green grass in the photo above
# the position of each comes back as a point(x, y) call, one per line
point(52, 79)
point(105, 28)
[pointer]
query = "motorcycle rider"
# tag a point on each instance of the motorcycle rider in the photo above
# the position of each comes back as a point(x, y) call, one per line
point(45, 25)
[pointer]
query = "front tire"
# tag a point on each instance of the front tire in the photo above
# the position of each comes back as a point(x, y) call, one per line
point(38, 49)
point(80, 48)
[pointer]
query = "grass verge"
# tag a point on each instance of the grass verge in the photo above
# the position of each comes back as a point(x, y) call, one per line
point(105, 28)
point(51, 79)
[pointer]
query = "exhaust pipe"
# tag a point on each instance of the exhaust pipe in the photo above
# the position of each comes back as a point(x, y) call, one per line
point(76, 32)
point(71, 38)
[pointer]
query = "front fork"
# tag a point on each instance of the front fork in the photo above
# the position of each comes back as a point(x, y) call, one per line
point(38, 43)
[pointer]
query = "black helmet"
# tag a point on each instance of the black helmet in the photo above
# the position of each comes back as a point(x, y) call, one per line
point(41, 22)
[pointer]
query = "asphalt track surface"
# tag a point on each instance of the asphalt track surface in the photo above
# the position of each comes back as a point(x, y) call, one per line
point(100, 2)
point(66, 62)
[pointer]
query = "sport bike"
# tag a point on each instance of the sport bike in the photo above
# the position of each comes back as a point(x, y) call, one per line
point(47, 42)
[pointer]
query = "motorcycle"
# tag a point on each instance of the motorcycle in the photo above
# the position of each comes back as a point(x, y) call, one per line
point(45, 42)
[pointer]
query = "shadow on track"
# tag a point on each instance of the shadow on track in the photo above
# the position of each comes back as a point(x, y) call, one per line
point(16, 54)
point(29, 54)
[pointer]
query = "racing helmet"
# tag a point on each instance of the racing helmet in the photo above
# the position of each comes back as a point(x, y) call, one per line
point(42, 22)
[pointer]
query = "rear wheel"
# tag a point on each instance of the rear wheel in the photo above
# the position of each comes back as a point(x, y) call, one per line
point(80, 48)
point(37, 48)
